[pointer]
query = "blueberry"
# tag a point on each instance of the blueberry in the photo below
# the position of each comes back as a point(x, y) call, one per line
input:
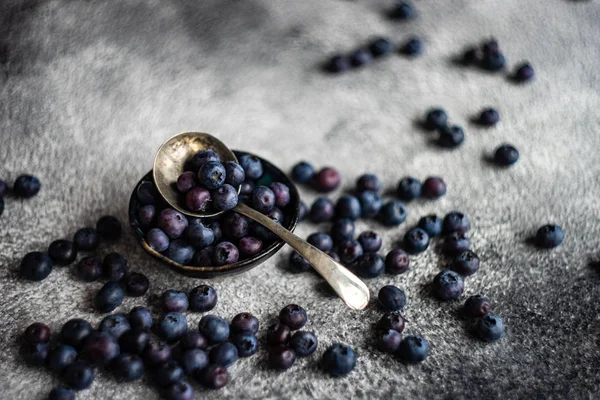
point(61, 393)
point(235, 173)
point(60, 357)
point(179, 391)
point(252, 166)
point(396, 262)
point(134, 341)
point(194, 360)
point(488, 117)
point(114, 266)
point(393, 213)
point(436, 118)
point(147, 193)
point(370, 204)
point(326, 180)
point(172, 326)
point(186, 181)
point(416, 240)
point(391, 320)
point(109, 228)
point(490, 327)
point(282, 193)
point(78, 375)
point(348, 206)
point(157, 240)
point(115, 324)
point(336, 64)
point(174, 301)
point(490, 46)
point(370, 241)
point(36, 354)
point(215, 329)
point(448, 285)
point(276, 214)
point(456, 243)
point(342, 229)
point(433, 188)
point(281, 357)
point(391, 298)
point(263, 199)
point(360, 58)
point(37, 333)
point(225, 253)
point(413, 349)
point(203, 298)
point(476, 306)
point(303, 172)
point(246, 344)
point(199, 235)
point(523, 72)
point(140, 318)
point(244, 322)
point(109, 297)
point(198, 199)
point(389, 340)
point(549, 236)
point(193, 340)
point(250, 246)
point(203, 258)
point(214, 377)
point(278, 334)
point(466, 263)
point(223, 354)
point(89, 269)
point(86, 239)
point(247, 188)
point(302, 211)
point(370, 265)
point(225, 198)
point(26, 186)
point(456, 221)
point(506, 155)
point(381, 47)
point(35, 266)
point(136, 284)
point(168, 373)
point(431, 224)
point(304, 343)
point(321, 241)
point(3, 188)
point(235, 226)
point(74, 332)
point(157, 353)
point(349, 251)
point(338, 360)
point(172, 222)
point(298, 263)
point(412, 47)
point(100, 348)
point(180, 251)
point(451, 137)
point(409, 188)
point(402, 10)
point(202, 157)
point(322, 210)
point(293, 316)
point(493, 61)
point(127, 367)
point(62, 252)
point(215, 226)
point(212, 175)
point(471, 56)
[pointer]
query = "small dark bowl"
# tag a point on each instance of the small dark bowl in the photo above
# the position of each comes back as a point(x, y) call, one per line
point(291, 211)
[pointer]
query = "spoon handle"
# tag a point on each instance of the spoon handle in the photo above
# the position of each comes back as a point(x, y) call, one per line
point(348, 286)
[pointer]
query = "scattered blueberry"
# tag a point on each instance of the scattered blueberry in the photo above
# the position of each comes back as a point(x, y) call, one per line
point(471, 56)
point(293, 316)
point(409, 188)
point(322, 210)
point(393, 213)
point(174, 301)
point(396, 262)
point(109, 297)
point(147, 193)
point(278, 334)
point(466, 263)
point(60, 357)
point(225, 253)
point(127, 367)
point(381, 47)
point(391, 320)
point(193, 340)
point(436, 118)
point(456, 243)
point(214, 377)
point(302, 211)
point(26, 186)
point(416, 240)
point(524, 72)
point(134, 341)
point(203, 298)
point(115, 324)
point(109, 228)
point(431, 224)
point(194, 360)
point(349, 251)
point(389, 341)
point(136, 284)
point(338, 359)
point(157, 353)
point(493, 61)
point(321, 241)
point(490, 327)
point(252, 166)
point(476, 306)
point(433, 188)
point(78, 375)
point(36, 354)
point(413, 349)
point(172, 326)
point(549, 236)
point(168, 373)
point(244, 322)
point(62, 252)
point(370, 241)
point(304, 343)
point(335, 65)
point(246, 344)
point(368, 182)
point(281, 357)
point(412, 47)
point(342, 229)
point(179, 391)
point(215, 329)
point(140, 318)
point(223, 354)
point(35, 266)
point(369, 265)
point(37, 333)
point(303, 172)
point(506, 155)
point(448, 285)
point(86, 239)
point(327, 179)
point(89, 269)
point(451, 137)
point(402, 10)
point(172, 222)
point(370, 204)
point(488, 117)
point(74, 332)
point(456, 221)
point(360, 58)
point(391, 298)
point(114, 266)
point(348, 206)
point(100, 348)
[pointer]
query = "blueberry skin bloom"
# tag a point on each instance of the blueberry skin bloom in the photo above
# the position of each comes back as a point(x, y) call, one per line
point(114, 266)
point(172, 326)
point(348, 206)
point(433, 188)
point(194, 360)
point(456, 221)
point(86, 239)
point(214, 377)
point(370, 204)
point(360, 58)
point(456, 243)
point(109, 297)
point(127, 367)
point(321, 241)
point(303, 172)
point(391, 298)
point(225, 198)
point(282, 194)
point(225, 253)
point(409, 188)
point(391, 320)
point(370, 241)
point(488, 117)
point(61, 357)
point(293, 316)
point(246, 344)
point(338, 360)
point(413, 47)
point(381, 47)
point(370, 265)
point(203, 298)
point(252, 166)
point(134, 341)
point(78, 375)
point(322, 210)
point(212, 175)
point(35, 266)
point(37, 333)
point(172, 222)
point(506, 155)
point(115, 324)
point(174, 301)
point(215, 329)
point(199, 235)
point(342, 229)
point(396, 262)
point(202, 157)
point(389, 341)
point(549, 236)
point(448, 285)
point(74, 332)
point(393, 213)
point(235, 173)
point(281, 357)
point(140, 318)
point(180, 251)
point(432, 224)
point(490, 327)
point(157, 240)
point(349, 251)
point(61, 393)
point(263, 199)
point(62, 252)
point(451, 137)
point(523, 73)
point(436, 118)
point(136, 284)
point(179, 391)
point(335, 65)
point(100, 348)
point(326, 180)
point(466, 263)
point(416, 240)
point(476, 306)
point(223, 354)
point(26, 186)
point(89, 269)
point(198, 199)
point(413, 349)
point(168, 373)
point(304, 343)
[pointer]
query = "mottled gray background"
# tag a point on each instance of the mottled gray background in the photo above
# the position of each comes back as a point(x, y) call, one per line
point(90, 89)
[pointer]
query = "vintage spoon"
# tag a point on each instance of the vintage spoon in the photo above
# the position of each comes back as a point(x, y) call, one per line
point(169, 164)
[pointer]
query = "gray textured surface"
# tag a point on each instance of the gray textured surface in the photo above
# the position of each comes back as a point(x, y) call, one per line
point(90, 90)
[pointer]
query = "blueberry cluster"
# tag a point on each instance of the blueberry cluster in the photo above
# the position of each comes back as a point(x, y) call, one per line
point(489, 57)
point(25, 186)
point(449, 136)
point(222, 240)
point(327, 179)
point(488, 327)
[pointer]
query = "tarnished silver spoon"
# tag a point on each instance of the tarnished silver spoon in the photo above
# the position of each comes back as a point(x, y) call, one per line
point(169, 164)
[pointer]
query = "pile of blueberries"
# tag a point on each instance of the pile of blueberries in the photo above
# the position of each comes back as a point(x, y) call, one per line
point(226, 238)
point(25, 186)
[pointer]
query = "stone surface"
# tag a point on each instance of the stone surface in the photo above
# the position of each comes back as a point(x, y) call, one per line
point(89, 90)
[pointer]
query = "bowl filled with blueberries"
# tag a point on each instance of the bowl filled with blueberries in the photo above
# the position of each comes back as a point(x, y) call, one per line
point(182, 212)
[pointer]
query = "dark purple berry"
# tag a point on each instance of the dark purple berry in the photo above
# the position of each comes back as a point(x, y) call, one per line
point(89, 269)
point(303, 172)
point(223, 354)
point(100, 348)
point(549, 236)
point(456, 221)
point(348, 206)
point(436, 118)
point(136, 284)
point(466, 263)
point(476, 306)
point(360, 58)
point(493, 61)
point(215, 226)
point(389, 340)
point(36, 355)
point(391, 298)
point(193, 340)
point(349, 251)
point(140, 318)
point(281, 357)
point(391, 320)
point(194, 360)
point(167, 373)
point(278, 334)
point(368, 182)
point(157, 240)
point(26, 186)
point(335, 65)
point(127, 367)
point(506, 155)
point(235, 173)
point(448, 285)
point(62, 252)
point(172, 222)
point(203, 298)
point(490, 327)
point(179, 391)
point(174, 301)
point(246, 344)
point(293, 316)
point(409, 188)
point(157, 353)
point(109, 297)
point(247, 188)
point(37, 333)
point(225, 198)
point(35, 266)
point(203, 258)
point(524, 72)
point(338, 360)
point(199, 235)
point(180, 251)
point(381, 47)
point(304, 343)
point(342, 229)
point(402, 10)
point(456, 243)
point(321, 241)
point(431, 224)
point(370, 204)
point(451, 137)
point(212, 175)
point(250, 246)
point(114, 266)
point(416, 240)
point(326, 180)
point(74, 332)
point(215, 329)
point(78, 375)
point(134, 341)
point(282, 193)
point(202, 157)
point(86, 239)
point(109, 228)
point(413, 349)
point(115, 324)
point(214, 377)
point(433, 188)
point(252, 166)
point(263, 199)
point(302, 211)
point(370, 241)
point(322, 210)
point(147, 193)
point(488, 117)
point(396, 262)
point(225, 253)
point(244, 322)
point(186, 181)
point(172, 326)
point(369, 265)
point(235, 226)
point(298, 263)
point(393, 213)
point(198, 199)
point(412, 47)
